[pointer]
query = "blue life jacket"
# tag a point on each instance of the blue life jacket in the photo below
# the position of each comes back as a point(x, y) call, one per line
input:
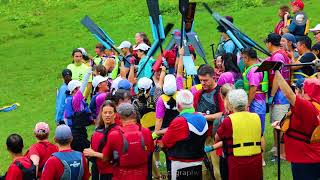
point(72, 163)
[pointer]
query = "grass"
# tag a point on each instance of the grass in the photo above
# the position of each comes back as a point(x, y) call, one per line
point(37, 37)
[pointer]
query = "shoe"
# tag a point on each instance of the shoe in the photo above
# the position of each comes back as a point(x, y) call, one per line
point(274, 149)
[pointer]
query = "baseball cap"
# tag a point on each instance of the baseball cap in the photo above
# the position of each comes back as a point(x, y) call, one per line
point(125, 109)
point(317, 28)
point(73, 84)
point(124, 84)
point(299, 83)
point(142, 46)
point(274, 39)
point(97, 80)
point(144, 83)
point(114, 85)
point(83, 51)
point(298, 3)
point(66, 72)
point(169, 85)
point(290, 37)
point(125, 44)
point(63, 132)
point(41, 127)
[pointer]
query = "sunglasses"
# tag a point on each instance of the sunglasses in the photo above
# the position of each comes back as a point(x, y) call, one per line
point(316, 33)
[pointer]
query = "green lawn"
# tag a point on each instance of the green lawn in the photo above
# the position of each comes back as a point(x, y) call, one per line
point(37, 37)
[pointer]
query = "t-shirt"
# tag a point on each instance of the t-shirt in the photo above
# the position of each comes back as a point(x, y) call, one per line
point(93, 106)
point(147, 70)
point(227, 77)
point(306, 58)
point(44, 150)
point(103, 167)
point(279, 97)
point(79, 71)
point(54, 168)
point(60, 102)
point(255, 78)
point(14, 172)
point(126, 61)
point(160, 107)
point(229, 46)
point(100, 99)
point(304, 118)
point(115, 143)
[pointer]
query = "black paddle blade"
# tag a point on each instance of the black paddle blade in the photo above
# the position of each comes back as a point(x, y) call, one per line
point(269, 65)
point(154, 12)
point(183, 7)
point(190, 16)
point(168, 28)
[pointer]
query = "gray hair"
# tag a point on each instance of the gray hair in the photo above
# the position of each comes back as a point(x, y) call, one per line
point(126, 110)
point(185, 99)
point(226, 88)
point(238, 99)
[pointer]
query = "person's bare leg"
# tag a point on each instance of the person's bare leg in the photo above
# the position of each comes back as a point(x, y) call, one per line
point(263, 147)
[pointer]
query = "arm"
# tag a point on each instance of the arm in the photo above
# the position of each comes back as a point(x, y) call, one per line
point(123, 70)
point(35, 159)
point(252, 94)
point(212, 117)
point(91, 153)
point(285, 88)
point(160, 111)
point(131, 77)
point(180, 63)
point(274, 89)
point(162, 75)
point(85, 82)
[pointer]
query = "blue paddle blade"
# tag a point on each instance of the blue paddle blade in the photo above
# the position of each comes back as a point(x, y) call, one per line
point(189, 65)
point(104, 43)
point(9, 108)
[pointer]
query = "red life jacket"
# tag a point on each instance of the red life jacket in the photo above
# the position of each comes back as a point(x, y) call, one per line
point(134, 151)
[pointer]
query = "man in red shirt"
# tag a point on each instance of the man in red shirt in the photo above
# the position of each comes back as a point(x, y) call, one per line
point(185, 138)
point(303, 154)
point(40, 152)
point(130, 147)
point(15, 146)
point(209, 101)
point(54, 167)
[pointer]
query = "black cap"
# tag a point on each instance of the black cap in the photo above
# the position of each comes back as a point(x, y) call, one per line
point(66, 72)
point(274, 39)
point(316, 47)
point(221, 29)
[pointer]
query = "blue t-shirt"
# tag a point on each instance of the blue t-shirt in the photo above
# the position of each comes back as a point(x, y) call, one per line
point(229, 46)
point(147, 70)
point(60, 102)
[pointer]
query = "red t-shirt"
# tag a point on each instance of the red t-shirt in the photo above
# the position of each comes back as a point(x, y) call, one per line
point(115, 143)
point(103, 167)
point(239, 168)
point(197, 98)
point(304, 118)
point(54, 168)
point(14, 172)
point(44, 150)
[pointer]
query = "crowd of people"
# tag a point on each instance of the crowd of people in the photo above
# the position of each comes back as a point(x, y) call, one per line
point(213, 126)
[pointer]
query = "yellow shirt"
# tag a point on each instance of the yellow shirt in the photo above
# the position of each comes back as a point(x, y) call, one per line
point(78, 72)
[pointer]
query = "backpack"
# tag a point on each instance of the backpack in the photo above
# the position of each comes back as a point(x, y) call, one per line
point(134, 151)
point(27, 173)
point(72, 163)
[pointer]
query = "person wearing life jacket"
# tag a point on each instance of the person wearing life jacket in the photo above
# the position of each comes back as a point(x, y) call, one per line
point(77, 114)
point(185, 138)
point(301, 130)
point(226, 45)
point(41, 151)
point(304, 48)
point(296, 24)
point(256, 86)
point(100, 56)
point(100, 85)
point(102, 170)
point(279, 105)
point(22, 168)
point(67, 163)
point(243, 147)
point(126, 49)
point(130, 147)
point(283, 10)
point(209, 102)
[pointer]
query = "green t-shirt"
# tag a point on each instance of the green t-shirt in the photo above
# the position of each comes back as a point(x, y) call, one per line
point(78, 72)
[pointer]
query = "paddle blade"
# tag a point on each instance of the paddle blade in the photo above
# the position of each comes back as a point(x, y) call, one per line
point(183, 7)
point(190, 16)
point(153, 7)
point(208, 8)
point(269, 65)
point(168, 28)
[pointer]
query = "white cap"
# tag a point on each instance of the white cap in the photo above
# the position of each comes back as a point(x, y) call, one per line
point(125, 44)
point(114, 85)
point(317, 28)
point(97, 80)
point(144, 83)
point(73, 84)
point(169, 85)
point(142, 46)
point(184, 97)
point(83, 51)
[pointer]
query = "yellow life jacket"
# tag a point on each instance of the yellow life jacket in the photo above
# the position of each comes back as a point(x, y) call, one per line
point(166, 98)
point(148, 120)
point(246, 135)
point(307, 26)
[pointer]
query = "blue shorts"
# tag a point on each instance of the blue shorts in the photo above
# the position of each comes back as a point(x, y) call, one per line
point(260, 108)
